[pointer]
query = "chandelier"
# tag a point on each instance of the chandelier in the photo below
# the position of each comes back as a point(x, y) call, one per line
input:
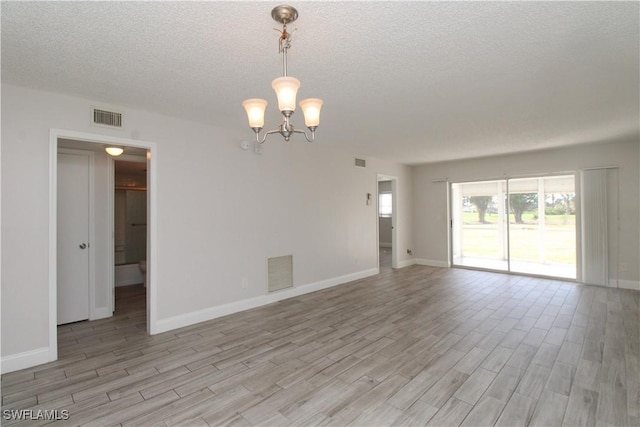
point(286, 88)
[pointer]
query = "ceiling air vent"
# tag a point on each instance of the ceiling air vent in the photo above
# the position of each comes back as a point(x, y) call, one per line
point(361, 163)
point(107, 118)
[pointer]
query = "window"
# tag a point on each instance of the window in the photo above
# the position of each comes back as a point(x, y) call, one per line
point(524, 225)
point(385, 205)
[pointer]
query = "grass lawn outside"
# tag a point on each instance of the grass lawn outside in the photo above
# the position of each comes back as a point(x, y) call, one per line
point(556, 244)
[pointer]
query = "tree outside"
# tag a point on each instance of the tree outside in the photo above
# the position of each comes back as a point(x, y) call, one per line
point(482, 204)
point(521, 203)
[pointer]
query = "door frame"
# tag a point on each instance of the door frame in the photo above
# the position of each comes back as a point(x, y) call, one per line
point(91, 235)
point(151, 147)
point(394, 218)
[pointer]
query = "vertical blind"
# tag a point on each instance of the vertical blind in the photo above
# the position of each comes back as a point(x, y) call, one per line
point(595, 241)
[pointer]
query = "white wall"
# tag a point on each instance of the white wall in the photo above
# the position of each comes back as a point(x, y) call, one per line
point(221, 212)
point(430, 206)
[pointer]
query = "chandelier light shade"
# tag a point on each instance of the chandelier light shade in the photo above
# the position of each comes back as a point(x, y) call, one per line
point(286, 88)
point(311, 110)
point(255, 111)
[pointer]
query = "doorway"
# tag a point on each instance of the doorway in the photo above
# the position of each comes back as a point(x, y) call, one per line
point(386, 220)
point(520, 225)
point(100, 243)
point(130, 232)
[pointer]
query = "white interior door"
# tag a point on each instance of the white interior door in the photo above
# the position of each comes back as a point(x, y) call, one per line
point(73, 237)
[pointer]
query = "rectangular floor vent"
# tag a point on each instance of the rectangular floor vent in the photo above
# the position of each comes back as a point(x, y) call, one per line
point(107, 118)
point(361, 163)
point(280, 273)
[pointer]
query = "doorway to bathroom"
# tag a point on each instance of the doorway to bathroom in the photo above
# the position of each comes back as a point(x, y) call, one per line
point(102, 210)
point(97, 237)
point(130, 233)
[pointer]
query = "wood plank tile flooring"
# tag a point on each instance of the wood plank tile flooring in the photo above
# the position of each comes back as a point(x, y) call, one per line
point(416, 346)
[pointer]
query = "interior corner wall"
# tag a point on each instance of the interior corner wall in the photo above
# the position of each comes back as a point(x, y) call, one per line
point(221, 212)
point(430, 196)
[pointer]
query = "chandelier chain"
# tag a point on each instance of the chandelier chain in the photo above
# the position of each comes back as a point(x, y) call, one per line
point(284, 44)
point(284, 41)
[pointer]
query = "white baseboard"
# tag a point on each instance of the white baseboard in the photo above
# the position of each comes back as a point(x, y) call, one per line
point(128, 274)
point(15, 362)
point(406, 263)
point(317, 286)
point(624, 284)
point(101, 313)
point(187, 319)
point(432, 263)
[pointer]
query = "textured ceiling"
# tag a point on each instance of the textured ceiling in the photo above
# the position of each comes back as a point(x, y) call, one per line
point(412, 82)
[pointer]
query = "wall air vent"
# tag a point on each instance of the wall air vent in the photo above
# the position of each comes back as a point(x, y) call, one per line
point(107, 118)
point(361, 163)
point(279, 273)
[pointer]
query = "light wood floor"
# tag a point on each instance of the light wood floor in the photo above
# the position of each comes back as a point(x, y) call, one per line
point(414, 346)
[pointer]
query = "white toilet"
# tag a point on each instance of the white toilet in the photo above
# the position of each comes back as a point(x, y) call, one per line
point(143, 269)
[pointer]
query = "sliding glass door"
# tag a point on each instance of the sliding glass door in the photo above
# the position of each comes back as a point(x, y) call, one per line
point(479, 218)
point(542, 226)
point(519, 225)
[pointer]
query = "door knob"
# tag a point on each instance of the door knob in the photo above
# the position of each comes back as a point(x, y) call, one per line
point(83, 245)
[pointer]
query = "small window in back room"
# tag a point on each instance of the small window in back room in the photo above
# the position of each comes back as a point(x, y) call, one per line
point(385, 205)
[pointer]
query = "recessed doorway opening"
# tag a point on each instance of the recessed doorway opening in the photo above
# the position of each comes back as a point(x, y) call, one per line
point(387, 213)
